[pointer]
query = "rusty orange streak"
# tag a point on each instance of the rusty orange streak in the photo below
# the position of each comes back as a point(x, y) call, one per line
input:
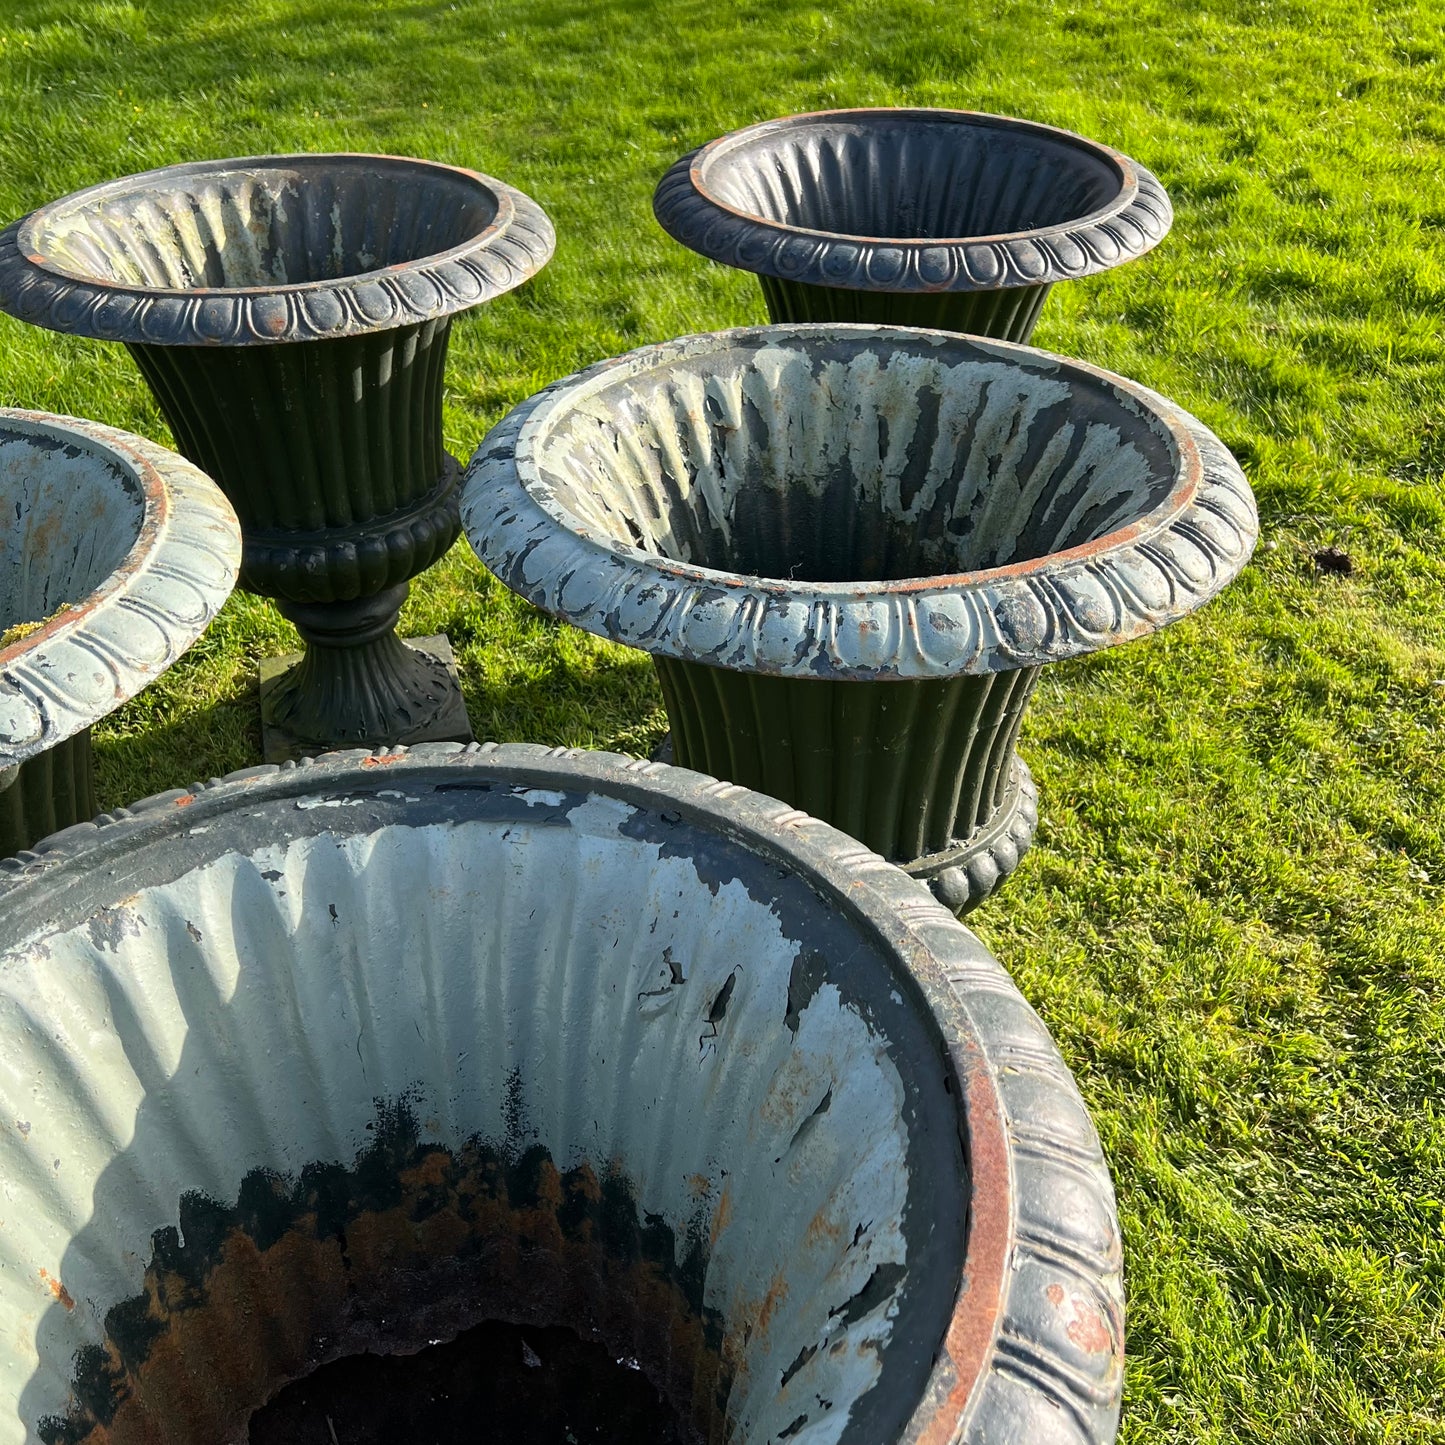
point(57, 1289)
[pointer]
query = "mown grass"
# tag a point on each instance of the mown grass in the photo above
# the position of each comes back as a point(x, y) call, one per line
point(1232, 920)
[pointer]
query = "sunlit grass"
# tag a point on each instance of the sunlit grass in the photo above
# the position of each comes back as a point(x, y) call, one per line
point(1232, 920)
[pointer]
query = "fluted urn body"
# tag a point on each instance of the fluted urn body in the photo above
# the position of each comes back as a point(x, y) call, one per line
point(291, 315)
point(944, 219)
point(849, 551)
point(114, 556)
point(351, 1056)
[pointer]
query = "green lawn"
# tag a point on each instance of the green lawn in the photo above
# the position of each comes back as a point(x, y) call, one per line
point(1234, 918)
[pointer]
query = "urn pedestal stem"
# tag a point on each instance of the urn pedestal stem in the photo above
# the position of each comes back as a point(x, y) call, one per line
point(1008, 315)
point(48, 793)
point(358, 680)
point(919, 771)
point(331, 452)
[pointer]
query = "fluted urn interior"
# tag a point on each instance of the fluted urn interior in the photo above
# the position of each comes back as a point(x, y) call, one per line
point(219, 225)
point(825, 460)
point(68, 518)
point(909, 175)
point(355, 1069)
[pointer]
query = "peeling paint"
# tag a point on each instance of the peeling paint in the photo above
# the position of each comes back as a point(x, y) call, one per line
point(412, 984)
point(124, 550)
point(886, 505)
point(869, 1207)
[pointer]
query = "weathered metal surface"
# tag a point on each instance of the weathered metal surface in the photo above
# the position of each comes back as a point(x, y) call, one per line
point(291, 315)
point(912, 217)
point(270, 249)
point(845, 502)
point(351, 1054)
point(124, 553)
point(778, 514)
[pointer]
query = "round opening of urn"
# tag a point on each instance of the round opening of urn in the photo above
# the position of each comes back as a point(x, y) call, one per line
point(70, 516)
point(357, 1068)
point(851, 456)
point(911, 175)
point(288, 221)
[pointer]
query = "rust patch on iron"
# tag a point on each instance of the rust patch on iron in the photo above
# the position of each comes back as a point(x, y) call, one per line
point(57, 1289)
point(821, 1228)
point(772, 1302)
point(971, 1331)
point(1087, 1330)
point(722, 1216)
point(382, 760)
point(414, 1242)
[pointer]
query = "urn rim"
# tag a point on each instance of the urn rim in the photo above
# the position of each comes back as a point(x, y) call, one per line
point(1023, 613)
point(515, 244)
point(174, 578)
point(1133, 221)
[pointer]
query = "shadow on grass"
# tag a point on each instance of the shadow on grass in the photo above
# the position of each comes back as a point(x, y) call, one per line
point(612, 705)
point(174, 746)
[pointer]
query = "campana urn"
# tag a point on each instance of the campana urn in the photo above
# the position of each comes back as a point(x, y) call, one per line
point(850, 550)
point(351, 1055)
point(936, 218)
point(114, 556)
point(291, 315)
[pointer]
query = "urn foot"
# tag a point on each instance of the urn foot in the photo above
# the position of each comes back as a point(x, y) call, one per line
point(961, 877)
point(358, 684)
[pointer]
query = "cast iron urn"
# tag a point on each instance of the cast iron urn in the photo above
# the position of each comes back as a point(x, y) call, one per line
point(850, 550)
point(937, 218)
point(291, 315)
point(115, 554)
point(351, 1056)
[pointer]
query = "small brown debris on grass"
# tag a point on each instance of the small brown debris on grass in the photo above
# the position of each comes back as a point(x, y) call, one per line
point(1333, 561)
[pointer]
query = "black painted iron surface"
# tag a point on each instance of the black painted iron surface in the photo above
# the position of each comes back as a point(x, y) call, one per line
point(331, 453)
point(946, 219)
point(291, 314)
point(910, 769)
point(1009, 315)
point(50, 792)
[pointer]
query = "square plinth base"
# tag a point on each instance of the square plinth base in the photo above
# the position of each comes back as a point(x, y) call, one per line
point(450, 726)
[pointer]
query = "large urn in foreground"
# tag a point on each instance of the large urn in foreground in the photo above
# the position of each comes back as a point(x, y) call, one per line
point(291, 314)
point(936, 218)
point(114, 556)
point(353, 1055)
point(849, 551)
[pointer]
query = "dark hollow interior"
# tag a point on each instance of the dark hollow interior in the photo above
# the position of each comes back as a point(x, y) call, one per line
point(837, 473)
point(306, 222)
point(495, 1381)
point(910, 179)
